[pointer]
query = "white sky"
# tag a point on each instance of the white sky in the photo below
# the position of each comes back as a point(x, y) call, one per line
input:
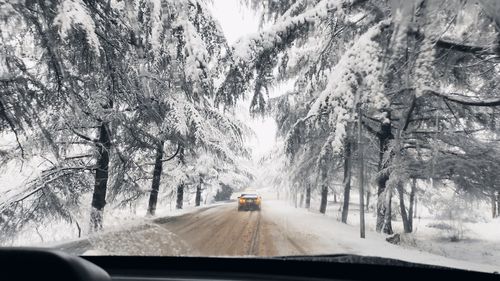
point(238, 21)
point(235, 19)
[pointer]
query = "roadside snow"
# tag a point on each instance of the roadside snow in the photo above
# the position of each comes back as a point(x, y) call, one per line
point(321, 234)
point(119, 222)
point(480, 241)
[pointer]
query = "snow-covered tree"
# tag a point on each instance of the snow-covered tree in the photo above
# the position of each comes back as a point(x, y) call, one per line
point(99, 98)
point(397, 63)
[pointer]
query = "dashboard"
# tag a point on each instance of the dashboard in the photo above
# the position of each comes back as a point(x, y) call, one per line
point(38, 264)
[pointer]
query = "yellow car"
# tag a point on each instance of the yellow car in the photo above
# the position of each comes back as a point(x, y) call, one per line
point(249, 201)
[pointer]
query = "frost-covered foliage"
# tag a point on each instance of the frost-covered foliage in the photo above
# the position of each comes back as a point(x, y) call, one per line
point(98, 90)
point(74, 14)
point(355, 80)
point(255, 57)
point(420, 73)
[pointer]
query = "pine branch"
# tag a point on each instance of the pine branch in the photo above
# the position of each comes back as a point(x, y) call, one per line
point(459, 47)
point(460, 99)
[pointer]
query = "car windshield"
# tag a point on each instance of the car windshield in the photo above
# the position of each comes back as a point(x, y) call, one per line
point(359, 127)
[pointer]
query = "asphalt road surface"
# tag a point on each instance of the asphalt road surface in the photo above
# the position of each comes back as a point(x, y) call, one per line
point(211, 231)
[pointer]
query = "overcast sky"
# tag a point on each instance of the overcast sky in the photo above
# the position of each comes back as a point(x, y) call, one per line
point(236, 20)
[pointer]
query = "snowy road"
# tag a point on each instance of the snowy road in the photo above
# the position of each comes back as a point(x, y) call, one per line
point(224, 231)
point(213, 231)
point(277, 230)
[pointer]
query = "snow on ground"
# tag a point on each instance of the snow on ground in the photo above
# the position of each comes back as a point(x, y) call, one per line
point(149, 239)
point(323, 234)
point(480, 242)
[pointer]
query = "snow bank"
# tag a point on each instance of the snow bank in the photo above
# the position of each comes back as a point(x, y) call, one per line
point(115, 222)
point(320, 234)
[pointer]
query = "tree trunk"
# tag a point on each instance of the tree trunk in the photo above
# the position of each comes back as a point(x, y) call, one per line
point(180, 196)
point(347, 180)
point(324, 198)
point(386, 226)
point(295, 198)
point(155, 186)
point(101, 178)
point(324, 188)
point(404, 215)
point(494, 205)
point(383, 197)
point(180, 187)
point(368, 195)
point(308, 197)
point(415, 207)
point(197, 199)
point(382, 203)
point(301, 204)
point(361, 180)
point(335, 197)
point(412, 203)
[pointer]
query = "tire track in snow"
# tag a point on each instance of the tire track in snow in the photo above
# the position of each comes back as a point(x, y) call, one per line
point(254, 242)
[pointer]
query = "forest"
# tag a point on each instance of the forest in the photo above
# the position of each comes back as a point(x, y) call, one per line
point(131, 105)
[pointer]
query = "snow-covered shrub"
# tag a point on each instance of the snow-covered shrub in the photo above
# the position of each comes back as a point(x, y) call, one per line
point(408, 239)
point(453, 213)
